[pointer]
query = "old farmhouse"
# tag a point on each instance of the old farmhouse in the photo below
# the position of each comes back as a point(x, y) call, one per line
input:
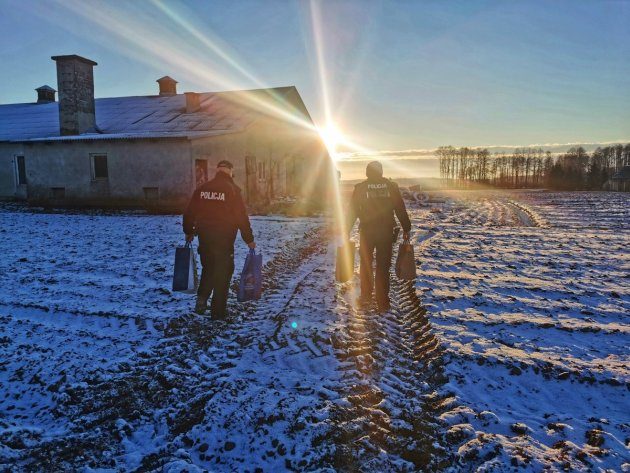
point(153, 150)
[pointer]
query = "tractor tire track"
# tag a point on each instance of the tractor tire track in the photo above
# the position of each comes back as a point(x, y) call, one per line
point(374, 409)
point(392, 379)
point(169, 387)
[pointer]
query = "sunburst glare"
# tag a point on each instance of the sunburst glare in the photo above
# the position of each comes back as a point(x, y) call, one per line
point(332, 137)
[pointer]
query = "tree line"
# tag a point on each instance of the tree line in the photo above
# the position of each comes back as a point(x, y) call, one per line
point(532, 167)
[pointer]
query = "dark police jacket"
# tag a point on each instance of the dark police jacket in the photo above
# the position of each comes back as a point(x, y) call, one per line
point(374, 202)
point(217, 207)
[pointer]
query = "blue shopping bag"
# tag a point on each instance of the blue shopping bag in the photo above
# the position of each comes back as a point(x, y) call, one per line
point(250, 287)
point(185, 270)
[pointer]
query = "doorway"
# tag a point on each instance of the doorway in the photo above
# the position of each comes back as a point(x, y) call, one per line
point(20, 177)
point(201, 171)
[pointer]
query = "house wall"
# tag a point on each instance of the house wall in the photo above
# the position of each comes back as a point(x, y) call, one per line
point(132, 166)
point(253, 153)
point(217, 148)
point(272, 159)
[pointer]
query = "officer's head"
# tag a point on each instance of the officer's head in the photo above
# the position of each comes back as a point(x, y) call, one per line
point(374, 170)
point(226, 167)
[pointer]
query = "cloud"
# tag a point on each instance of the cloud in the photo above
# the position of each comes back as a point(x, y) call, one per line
point(391, 154)
point(432, 153)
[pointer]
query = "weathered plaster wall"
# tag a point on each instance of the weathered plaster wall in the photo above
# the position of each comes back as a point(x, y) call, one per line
point(214, 149)
point(132, 165)
point(294, 158)
point(246, 150)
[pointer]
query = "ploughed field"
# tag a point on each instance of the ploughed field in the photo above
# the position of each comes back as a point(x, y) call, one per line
point(510, 350)
point(529, 294)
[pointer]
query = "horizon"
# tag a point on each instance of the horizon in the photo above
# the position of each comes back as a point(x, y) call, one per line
point(399, 164)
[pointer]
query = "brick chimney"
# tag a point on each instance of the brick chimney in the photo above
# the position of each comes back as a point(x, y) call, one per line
point(45, 94)
point(75, 81)
point(192, 102)
point(168, 85)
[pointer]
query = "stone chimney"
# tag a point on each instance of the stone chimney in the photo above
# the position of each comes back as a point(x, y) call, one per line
point(168, 85)
point(45, 94)
point(75, 81)
point(192, 102)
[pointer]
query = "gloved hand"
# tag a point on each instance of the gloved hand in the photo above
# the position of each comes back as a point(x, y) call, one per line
point(189, 238)
point(406, 236)
point(252, 245)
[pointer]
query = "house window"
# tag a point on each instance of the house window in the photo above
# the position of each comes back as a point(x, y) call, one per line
point(21, 170)
point(99, 166)
point(151, 193)
point(57, 193)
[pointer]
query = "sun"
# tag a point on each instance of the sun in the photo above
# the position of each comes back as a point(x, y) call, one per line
point(332, 137)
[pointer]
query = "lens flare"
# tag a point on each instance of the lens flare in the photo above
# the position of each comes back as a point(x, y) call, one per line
point(169, 35)
point(332, 137)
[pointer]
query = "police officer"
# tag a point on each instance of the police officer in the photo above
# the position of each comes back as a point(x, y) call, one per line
point(215, 212)
point(374, 202)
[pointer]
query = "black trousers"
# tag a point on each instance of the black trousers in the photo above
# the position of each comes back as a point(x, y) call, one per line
point(217, 261)
point(379, 239)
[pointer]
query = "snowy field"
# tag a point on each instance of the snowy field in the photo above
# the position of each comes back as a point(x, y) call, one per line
point(82, 299)
point(529, 293)
point(511, 349)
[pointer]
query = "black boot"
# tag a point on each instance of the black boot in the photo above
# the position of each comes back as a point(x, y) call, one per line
point(201, 305)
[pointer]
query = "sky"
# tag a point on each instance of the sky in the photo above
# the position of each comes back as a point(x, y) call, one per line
point(394, 76)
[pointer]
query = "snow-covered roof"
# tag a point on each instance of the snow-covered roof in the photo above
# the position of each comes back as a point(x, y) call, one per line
point(151, 116)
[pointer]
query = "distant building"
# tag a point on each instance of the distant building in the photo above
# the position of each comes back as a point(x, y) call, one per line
point(152, 151)
point(619, 181)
